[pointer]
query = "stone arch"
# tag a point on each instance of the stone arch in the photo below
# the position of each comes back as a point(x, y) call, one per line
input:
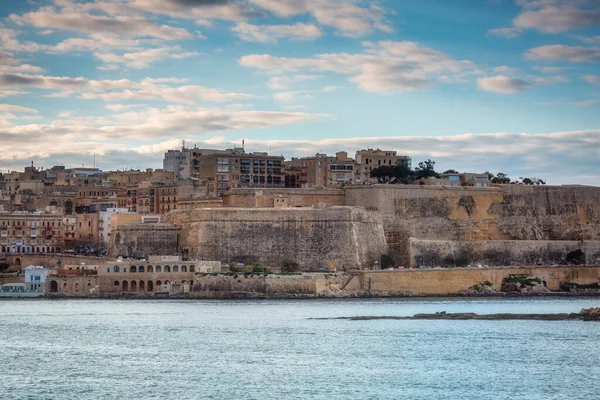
point(150, 269)
point(133, 268)
point(134, 286)
point(116, 283)
point(175, 268)
point(76, 287)
point(116, 268)
point(141, 268)
point(167, 268)
point(150, 287)
point(183, 268)
point(64, 287)
point(125, 286)
point(158, 268)
point(19, 260)
point(142, 286)
point(53, 286)
point(192, 268)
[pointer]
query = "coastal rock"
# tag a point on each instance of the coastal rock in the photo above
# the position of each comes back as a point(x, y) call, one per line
point(481, 289)
point(524, 285)
point(590, 314)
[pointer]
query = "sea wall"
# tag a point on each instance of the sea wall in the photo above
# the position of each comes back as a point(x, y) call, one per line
point(144, 240)
point(326, 239)
point(502, 252)
point(510, 212)
point(265, 198)
point(452, 281)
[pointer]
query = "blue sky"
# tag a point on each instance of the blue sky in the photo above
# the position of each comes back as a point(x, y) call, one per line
point(499, 85)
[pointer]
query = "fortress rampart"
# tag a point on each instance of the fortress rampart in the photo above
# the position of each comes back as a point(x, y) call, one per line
point(327, 238)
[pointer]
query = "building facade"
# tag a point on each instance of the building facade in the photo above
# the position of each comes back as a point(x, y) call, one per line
point(31, 232)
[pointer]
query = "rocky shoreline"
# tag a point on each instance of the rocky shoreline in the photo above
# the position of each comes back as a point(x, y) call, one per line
point(586, 314)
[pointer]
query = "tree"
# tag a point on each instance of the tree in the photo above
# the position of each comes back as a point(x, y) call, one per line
point(426, 169)
point(450, 171)
point(392, 174)
point(532, 181)
point(501, 178)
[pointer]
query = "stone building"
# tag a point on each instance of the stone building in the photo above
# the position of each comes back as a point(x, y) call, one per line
point(320, 170)
point(157, 275)
point(31, 232)
point(368, 160)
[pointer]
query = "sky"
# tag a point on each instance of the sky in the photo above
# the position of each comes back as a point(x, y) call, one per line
point(507, 86)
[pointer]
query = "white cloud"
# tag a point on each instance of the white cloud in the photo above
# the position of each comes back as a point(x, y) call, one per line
point(284, 82)
point(143, 58)
point(17, 109)
point(504, 69)
point(272, 33)
point(121, 90)
point(510, 85)
point(292, 96)
point(564, 53)
point(595, 40)
point(73, 19)
point(384, 67)
point(352, 18)
point(595, 79)
point(8, 93)
point(503, 84)
point(558, 19)
point(548, 70)
point(586, 103)
point(331, 88)
point(509, 33)
point(122, 107)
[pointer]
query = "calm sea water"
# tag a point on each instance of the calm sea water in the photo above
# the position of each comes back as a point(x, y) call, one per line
point(94, 349)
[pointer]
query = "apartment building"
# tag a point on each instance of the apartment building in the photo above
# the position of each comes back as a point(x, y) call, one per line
point(368, 160)
point(231, 168)
point(320, 170)
point(31, 232)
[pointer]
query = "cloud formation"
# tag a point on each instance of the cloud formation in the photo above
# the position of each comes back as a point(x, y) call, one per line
point(385, 66)
point(272, 33)
point(559, 52)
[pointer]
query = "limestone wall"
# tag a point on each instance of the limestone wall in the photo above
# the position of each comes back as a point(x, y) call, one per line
point(328, 238)
point(266, 198)
point(501, 252)
point(452, 281)
point(144, 240)
point(510, 212)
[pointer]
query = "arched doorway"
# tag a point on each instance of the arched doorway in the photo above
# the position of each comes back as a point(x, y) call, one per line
point(150, 286)
point(53, 287)
point(133, 286)
point(142, 286)
point(125, 286)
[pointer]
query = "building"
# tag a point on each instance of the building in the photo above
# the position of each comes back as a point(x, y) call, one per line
point(320, 170)
point(105, 223)
point(467, 179)
point(31, 232)
point(231, 168)
point(159, 275)
point(87, 231)
point(35, 278)
point(368, 160)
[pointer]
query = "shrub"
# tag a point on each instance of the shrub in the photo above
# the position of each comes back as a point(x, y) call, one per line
point(289, 266)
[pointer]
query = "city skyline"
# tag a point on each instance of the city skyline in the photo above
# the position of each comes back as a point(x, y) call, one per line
point(500, 85)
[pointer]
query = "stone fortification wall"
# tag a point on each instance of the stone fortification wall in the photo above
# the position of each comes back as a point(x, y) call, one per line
point(265, 198)
point(328, 238)
point(144, 240)
point(50, 260)
point(502, 252)
point(449, 282)
point(510, 212)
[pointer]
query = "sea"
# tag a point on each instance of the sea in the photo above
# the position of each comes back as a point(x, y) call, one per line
point(294, 349)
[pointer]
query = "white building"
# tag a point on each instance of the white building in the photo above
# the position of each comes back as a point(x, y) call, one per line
point(104, 224)
point(35, 278)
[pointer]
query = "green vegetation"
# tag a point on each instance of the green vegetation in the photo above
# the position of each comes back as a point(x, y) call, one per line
point(523, 280)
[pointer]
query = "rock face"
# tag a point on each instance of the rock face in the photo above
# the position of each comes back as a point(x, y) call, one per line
point(523, 284)
point(511, 212)
point(481, 289)
point(327, 238)
point(144, 240)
